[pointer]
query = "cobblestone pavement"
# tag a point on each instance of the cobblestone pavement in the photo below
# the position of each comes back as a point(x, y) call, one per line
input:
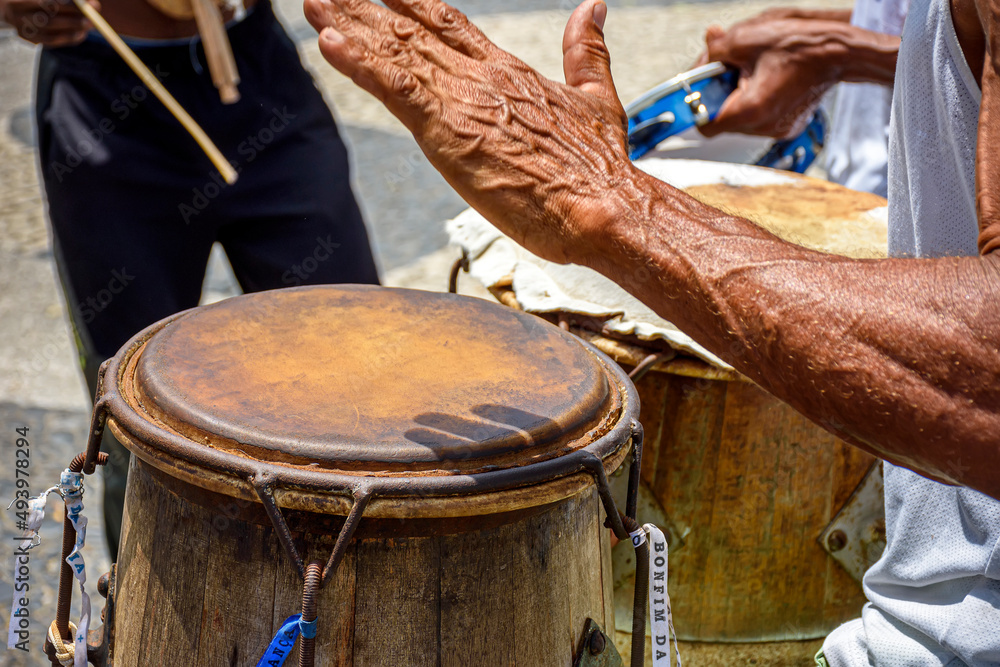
point(404, 199)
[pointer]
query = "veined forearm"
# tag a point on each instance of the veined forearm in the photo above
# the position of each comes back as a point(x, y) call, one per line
point(843, 15)
point(847, 52)
point(897, 356)
point(869, 56)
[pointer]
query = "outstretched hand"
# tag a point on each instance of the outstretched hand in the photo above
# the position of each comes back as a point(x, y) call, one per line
point(534, 156)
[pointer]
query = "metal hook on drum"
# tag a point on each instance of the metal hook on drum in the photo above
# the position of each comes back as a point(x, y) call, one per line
point(461, 264)
point(624, 526)
point(315, 575)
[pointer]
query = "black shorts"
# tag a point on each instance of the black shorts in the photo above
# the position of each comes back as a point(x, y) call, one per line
point(135, 205)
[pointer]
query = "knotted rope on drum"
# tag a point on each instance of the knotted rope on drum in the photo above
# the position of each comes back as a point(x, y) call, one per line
point(61, 634)
point(64, 652)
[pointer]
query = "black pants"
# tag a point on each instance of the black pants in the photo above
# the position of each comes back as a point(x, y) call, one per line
point(135, 205)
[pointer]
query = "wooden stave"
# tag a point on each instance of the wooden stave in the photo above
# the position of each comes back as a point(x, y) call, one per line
point(180, 593)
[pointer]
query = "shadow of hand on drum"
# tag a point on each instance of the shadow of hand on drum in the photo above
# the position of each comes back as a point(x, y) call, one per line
point(498, 430)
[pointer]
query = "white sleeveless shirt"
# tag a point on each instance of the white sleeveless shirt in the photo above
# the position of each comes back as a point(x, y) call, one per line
point(935, 593)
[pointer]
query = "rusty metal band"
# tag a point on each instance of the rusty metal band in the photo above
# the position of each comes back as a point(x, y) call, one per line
point(331, 482)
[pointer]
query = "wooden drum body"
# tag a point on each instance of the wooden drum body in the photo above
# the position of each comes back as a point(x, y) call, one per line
point(746, 486)
point(743, 484)
point(465, 439)
point(207, 580)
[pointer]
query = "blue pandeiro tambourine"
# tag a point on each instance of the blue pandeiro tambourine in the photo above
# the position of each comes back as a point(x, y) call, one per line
point(692, 99)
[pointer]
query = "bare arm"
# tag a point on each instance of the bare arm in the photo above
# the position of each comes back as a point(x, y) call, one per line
point(842, 15)
point(898, 356)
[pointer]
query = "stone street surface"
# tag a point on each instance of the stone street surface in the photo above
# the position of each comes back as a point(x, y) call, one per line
point(405, 203)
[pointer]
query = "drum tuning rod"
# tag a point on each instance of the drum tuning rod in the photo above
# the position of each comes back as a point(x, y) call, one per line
point(154, 85)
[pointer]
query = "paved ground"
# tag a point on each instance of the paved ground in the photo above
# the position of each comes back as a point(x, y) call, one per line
point(405, 202)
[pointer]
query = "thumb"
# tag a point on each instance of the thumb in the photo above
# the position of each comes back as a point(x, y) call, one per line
point(728, 118)
point(714, 32)
point(586, 61)
point(714, 43)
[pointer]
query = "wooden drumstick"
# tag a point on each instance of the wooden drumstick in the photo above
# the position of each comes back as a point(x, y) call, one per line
point(218, 51)
point(154, 85)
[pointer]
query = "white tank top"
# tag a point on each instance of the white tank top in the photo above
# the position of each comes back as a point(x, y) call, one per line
point(935, 593)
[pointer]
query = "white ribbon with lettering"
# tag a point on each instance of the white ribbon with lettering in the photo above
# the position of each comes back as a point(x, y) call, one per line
point(36, 512)
point(71, 486)
point(660, 618)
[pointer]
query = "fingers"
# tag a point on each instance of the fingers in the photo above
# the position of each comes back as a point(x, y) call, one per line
point(717, 46)
point(746, 111)
point(732, 116)
point(57, 40)
point(450, 25)
point(392, 38)
point(47, 22)
point(66, 23)
point(751, 109)
point(586, 60)
point(712, 34)
point(398, 88)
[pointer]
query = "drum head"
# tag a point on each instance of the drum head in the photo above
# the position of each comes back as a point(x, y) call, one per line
point(807, 211)
point(376, 379)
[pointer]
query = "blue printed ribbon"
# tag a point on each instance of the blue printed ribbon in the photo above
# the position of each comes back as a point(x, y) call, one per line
point(284, 641)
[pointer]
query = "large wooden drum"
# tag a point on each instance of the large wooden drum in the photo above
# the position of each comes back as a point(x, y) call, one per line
point(743, 484)
point(462, 439)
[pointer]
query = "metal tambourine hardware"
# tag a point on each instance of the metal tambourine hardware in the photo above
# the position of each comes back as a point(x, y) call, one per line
point(687, 100)
point(698, 110)
point(693, 99)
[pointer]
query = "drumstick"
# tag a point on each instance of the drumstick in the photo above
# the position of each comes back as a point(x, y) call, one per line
point(154, 85)
point(218, 51)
